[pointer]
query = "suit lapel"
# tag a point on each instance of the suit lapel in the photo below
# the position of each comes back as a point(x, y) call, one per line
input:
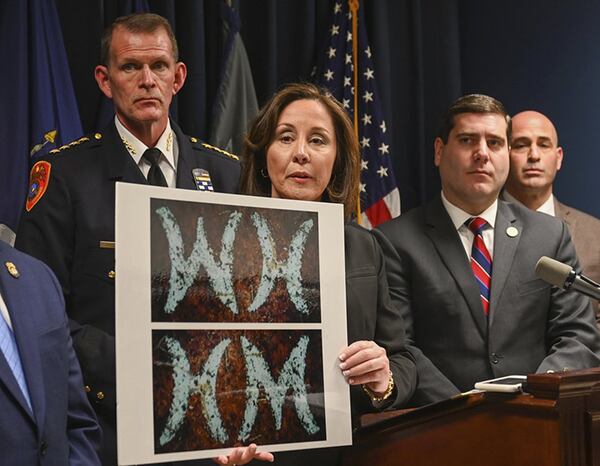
point(505, 247)
point(185, 162)
point(563, 212)
point(15, 296)
point(445, 238)
point(8, 380)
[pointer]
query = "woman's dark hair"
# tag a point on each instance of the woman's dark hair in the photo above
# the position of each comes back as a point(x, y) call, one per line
point(343, 185)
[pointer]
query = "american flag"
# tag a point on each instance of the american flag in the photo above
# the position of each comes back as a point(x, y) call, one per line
point(379, 195)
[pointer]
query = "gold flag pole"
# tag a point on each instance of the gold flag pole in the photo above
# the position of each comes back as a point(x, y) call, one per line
point(354, 5)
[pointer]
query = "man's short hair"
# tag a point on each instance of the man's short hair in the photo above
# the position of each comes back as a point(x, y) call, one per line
point(473, 103)
point(146, 23)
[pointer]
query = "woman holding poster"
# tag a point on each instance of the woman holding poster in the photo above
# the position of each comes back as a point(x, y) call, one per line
point(302, 146)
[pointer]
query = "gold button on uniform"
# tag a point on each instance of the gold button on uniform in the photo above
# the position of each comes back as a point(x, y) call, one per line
point(111, 274)
point(87, 389)
point(12, 269)
point(100, 395)
point(98, 136)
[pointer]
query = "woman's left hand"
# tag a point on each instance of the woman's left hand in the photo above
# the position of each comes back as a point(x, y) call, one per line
point(243, 455)
point(366, 363)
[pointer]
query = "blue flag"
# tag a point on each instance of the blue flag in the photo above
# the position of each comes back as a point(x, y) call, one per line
point(39, 110)
point(379, 195)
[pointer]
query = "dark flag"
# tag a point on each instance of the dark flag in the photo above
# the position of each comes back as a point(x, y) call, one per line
point(39, 110)
point(379, 195)
point(235, 103)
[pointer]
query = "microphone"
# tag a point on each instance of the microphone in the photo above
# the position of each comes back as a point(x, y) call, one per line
point(563, 276)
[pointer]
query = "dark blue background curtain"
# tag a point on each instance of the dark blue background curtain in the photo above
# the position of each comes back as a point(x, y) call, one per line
point(415, 47)
point(427, 53)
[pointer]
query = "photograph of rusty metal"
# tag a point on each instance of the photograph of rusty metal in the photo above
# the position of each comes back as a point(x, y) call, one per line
point(216, 389)
point(219, 263)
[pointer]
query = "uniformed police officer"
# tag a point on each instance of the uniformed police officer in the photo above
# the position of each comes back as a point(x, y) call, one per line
point(70, 209)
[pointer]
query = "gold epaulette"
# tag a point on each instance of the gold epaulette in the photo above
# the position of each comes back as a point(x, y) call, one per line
point(74, 143)
point(216, 149)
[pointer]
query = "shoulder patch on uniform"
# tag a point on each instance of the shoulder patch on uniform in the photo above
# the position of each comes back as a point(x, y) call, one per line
point(39, 178)
point(220, 151)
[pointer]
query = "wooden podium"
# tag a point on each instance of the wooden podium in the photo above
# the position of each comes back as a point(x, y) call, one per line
point(557, 422)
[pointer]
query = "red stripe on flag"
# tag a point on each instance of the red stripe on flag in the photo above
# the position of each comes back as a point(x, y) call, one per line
point(378, 213)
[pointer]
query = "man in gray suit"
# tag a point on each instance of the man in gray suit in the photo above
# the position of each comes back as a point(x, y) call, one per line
point(461, 269)
point(535, 158)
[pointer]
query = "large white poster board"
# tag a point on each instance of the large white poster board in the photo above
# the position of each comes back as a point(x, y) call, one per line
point(230, 314)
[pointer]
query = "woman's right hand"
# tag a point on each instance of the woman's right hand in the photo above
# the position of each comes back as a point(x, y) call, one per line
point(243, 455)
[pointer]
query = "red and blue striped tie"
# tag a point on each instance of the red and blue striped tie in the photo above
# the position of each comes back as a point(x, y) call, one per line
point(481, 261)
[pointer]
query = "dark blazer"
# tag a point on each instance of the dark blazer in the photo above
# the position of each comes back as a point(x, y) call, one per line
point(62, 429)
point(532, 327)
point(585, 231)
point(370, 316)
point(65, 227)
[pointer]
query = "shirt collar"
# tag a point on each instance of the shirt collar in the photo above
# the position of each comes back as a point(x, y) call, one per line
point(136, 148)
point(546, 208)
point(459, 216)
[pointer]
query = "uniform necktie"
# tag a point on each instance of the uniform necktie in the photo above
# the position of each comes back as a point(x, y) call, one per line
point(155, 175)
point(481, 261)
point(8, 345)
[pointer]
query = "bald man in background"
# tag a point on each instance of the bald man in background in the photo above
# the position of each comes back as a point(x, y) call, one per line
point(535, 158)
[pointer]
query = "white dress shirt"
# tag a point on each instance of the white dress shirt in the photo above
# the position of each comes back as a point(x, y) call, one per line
point(546, 208)
point(167, 143)
point(4, 312)
point(459, 217)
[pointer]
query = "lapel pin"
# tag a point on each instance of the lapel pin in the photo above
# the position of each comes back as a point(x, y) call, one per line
point(12, 269)
point(512, 232)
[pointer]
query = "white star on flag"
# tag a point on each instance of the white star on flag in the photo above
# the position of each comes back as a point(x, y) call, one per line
point(379, 195)
point(382, 172)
